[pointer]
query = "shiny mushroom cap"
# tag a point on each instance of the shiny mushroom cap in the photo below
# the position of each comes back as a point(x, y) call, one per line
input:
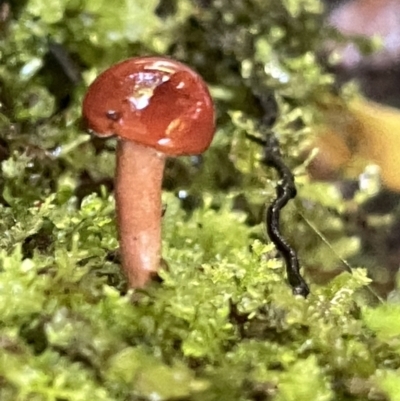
point(154, 101)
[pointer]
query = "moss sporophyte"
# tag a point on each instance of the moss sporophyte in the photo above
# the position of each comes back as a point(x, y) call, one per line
point(285, 191)
point(157, 107)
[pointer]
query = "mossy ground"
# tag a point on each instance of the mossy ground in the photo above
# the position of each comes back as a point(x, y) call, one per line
point(223, 325)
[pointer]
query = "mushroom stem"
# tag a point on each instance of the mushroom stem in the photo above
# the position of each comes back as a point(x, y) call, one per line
point(138, 182)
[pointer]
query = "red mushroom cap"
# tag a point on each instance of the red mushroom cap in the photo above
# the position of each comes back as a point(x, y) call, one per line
point(154, 101)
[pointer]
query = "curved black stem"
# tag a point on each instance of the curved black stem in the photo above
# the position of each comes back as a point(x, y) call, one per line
point(285, 191)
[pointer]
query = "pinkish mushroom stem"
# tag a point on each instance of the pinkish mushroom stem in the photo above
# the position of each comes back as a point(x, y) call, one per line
point(138, 201)
point(157, 107)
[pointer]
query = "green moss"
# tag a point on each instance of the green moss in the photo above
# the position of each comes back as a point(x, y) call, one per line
point(223, 325)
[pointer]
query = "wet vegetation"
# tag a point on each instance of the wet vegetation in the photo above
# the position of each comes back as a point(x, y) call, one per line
point(223, 324)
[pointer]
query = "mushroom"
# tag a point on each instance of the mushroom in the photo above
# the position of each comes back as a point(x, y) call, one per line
point(369, 18)
point(157, 107)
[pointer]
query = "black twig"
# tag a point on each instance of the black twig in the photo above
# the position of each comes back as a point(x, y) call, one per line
point(285, 191)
